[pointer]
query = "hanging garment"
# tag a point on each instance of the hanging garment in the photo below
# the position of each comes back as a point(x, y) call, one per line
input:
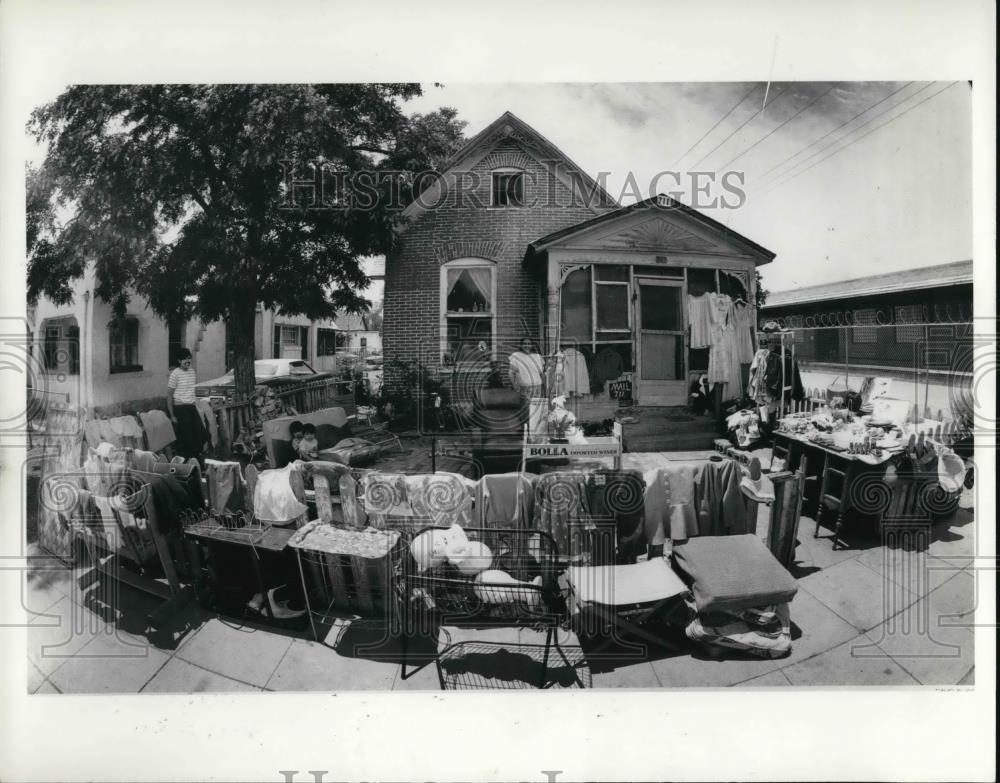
point(576, 374)
point(745, 427)
point(159, 431)
point(607, 367)
point(445, 498)
point(187, 473)
point(744, 325)
point(755, 384)
point(440, 498)
point(173, 500)
point(722, 511)
point(226, 487)
point(128, 430)
point(274, 499)
point(699, 316)
point(561, 504)
point(138, 459)
point(108, 433)
point(618, 496)
point(506, 500)
point(670, 501)
point(723, 358)
point(92, 433)
point(208, 417)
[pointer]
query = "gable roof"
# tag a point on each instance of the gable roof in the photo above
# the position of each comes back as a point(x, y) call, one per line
point(509, 126)
point(661, 202)
point(937, 276)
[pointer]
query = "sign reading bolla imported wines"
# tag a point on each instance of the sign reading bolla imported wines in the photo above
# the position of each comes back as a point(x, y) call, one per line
point(573, 450)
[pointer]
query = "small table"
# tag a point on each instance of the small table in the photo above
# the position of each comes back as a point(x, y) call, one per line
point(271, 539)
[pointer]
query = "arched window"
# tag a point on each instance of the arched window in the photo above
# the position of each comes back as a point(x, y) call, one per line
point(468, 311)
point(507, 188)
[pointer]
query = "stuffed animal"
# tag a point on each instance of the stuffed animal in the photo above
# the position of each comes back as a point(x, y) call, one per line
point(430, 549)
point(469, 557)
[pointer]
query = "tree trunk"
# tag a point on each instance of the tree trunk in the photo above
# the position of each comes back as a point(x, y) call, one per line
point(241, 322)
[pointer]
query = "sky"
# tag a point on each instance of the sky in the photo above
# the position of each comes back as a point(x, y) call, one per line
point(842, 179)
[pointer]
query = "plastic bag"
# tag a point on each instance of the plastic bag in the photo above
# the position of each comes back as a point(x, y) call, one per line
point(274, 499)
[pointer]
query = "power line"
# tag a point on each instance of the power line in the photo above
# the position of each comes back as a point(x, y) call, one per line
point(772, 132)
point(751, 118)
point(721, 120)
point(834, 130)
point(855, 141)
point(866, 123)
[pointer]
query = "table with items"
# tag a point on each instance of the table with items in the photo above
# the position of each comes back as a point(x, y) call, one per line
point(863, 468)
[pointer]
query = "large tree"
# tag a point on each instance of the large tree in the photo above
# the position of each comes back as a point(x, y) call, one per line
point(181, 192)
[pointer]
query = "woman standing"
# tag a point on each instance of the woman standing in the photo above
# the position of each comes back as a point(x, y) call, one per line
point(526, 368)
point(188, 426)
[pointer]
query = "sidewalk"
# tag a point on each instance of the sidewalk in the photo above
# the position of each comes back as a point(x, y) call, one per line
point(851, 625)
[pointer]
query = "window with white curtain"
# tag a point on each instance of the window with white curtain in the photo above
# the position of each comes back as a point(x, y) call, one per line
point(468, 311)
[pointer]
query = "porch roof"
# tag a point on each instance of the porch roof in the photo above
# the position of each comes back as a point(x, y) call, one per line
point(760, 254)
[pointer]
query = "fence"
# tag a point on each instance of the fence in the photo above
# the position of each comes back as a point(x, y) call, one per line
point(239, 417)
point(930, 365)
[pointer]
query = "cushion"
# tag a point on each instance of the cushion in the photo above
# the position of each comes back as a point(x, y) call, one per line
point(625, 585)
point(732, 573)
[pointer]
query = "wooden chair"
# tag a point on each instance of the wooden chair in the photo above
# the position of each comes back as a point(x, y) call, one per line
point(786, 511)
point(835, 483)
point(781, 448)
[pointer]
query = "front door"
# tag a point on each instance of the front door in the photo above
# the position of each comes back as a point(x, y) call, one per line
point(661, 369)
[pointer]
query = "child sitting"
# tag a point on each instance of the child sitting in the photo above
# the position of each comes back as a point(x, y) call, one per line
point(308, 446)
point(296, 430)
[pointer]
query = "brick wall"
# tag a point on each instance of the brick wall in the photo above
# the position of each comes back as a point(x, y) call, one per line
point(464, 225)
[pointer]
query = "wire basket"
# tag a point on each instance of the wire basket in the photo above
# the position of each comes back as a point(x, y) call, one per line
point(518, 585)
point(240, 527)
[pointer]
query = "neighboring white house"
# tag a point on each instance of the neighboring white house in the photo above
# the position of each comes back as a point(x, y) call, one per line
point(87, 358)
point(362, 334)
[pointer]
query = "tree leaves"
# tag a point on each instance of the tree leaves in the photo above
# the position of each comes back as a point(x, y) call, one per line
point(176, 191)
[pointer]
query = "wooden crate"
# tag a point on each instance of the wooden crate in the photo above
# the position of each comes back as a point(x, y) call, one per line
point(346, 570)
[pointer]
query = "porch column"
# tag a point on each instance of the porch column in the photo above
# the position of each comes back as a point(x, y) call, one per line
point(551, 337)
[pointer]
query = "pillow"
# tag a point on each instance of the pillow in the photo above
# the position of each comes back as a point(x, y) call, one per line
point(732, 573)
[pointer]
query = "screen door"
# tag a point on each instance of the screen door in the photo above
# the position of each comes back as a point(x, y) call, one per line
point(661, 366)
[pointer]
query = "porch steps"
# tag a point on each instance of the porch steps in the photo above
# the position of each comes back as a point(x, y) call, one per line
point(667, 429)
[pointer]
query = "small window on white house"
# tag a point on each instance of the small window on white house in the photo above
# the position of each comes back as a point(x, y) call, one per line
point(123, 336)
point(468, 318)
point(508, 189)
point(61, 346)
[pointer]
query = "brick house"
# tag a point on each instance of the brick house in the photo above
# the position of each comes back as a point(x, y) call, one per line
point(515, 240)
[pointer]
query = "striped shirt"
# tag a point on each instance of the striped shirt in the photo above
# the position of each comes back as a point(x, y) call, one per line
point(182, 382)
